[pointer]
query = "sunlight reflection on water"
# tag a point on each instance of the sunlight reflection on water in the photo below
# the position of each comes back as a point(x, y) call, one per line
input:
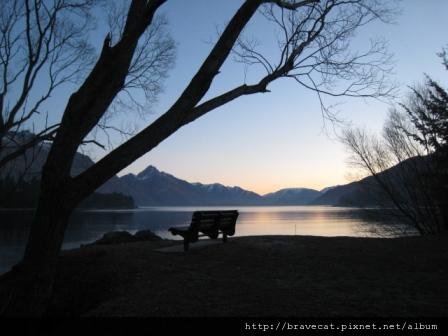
point(87, 226)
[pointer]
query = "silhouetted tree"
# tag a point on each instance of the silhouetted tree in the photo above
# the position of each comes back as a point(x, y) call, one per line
point(43, 45)
point(314, 51)
point(427, 110)
point(415, 142)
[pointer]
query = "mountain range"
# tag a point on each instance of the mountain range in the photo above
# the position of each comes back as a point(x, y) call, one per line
point(152, 187)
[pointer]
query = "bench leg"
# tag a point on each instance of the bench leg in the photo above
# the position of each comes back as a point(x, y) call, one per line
point(186, 244)
point(224, 237)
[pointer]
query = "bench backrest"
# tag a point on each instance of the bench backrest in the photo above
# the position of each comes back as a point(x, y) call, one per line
point(223, 220)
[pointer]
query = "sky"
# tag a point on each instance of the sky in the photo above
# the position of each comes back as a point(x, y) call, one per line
point(276, 140)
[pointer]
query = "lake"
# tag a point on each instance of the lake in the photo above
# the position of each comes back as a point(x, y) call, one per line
point(88, 226)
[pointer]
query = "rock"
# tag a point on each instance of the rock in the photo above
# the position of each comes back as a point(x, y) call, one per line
point(146, 235)
point(116, 237)
point(122, 237)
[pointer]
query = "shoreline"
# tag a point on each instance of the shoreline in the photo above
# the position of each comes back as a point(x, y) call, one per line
point(192, 207)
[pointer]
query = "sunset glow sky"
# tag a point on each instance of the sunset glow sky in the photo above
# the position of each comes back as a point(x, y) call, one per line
point(275, 140)
point(270, 141)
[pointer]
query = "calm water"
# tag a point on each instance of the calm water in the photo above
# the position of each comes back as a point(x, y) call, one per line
point(87, 226)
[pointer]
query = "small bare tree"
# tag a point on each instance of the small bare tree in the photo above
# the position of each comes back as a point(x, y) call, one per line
point(316, 41)
point(409, 162)
point(43, 46)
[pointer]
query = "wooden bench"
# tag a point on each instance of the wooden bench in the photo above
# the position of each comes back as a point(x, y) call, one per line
point(207, 223)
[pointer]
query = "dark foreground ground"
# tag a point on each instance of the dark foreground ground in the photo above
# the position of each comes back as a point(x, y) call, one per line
point(258, 276)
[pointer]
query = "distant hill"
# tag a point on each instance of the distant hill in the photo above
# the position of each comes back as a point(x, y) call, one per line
point(25, 195)
point(291, 196)
point(324, 190)
point(152, 187)
point(352, 194)
point(366, 192)
point(33, 160)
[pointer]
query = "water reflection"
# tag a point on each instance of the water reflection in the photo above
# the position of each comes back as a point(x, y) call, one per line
point(87, 226)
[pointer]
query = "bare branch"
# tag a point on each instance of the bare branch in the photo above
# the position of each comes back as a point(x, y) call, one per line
point(314, 39)
point(291, 5)
point(42, 42)
point(86, 142)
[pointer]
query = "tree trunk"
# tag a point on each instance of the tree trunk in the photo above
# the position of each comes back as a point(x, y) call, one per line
point(27, 288)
